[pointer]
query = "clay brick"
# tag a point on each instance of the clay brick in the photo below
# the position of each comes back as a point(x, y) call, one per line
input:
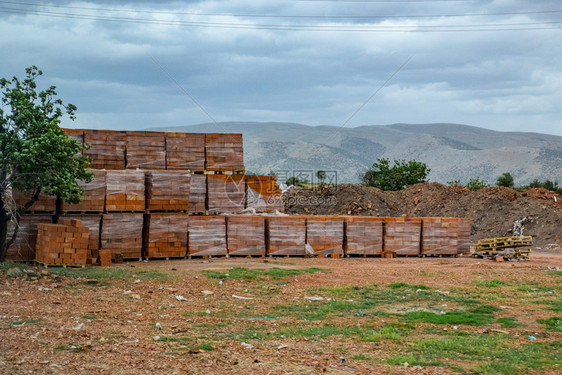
point(246, 235)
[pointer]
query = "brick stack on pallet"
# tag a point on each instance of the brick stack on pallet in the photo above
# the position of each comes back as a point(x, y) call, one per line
point(363, 235)
point(440, 236)
point(167, 190)
point(93, 198)
point(65, 243)
point(93, 223)
point(106, 148)
point(122, 234)
point(246, 235)
point(165, 235)
point(225, 193)
point(465, 228)
point(45, 203)
point(263, 194)
point(207, 236)
point(146, 150)
point(198, 194)
point(23, 248)
point(402, 236)
point(125, 191)
point(286, 235)
point(185, 151)
point(224, 152)
point(324, 233)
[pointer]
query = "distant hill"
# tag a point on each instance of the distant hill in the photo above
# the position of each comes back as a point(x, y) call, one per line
point(452, 151)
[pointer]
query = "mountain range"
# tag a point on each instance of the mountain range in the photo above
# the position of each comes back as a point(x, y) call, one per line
point(452, 151)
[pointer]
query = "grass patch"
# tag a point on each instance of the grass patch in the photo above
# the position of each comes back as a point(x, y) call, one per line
point(554, 323)
point(23, 322)
point(70, 348)
point(477, 316)
point(508, 322)
point(207, 347)
point(412, 360)
point(326, 330)
point(404, 285)
point(360, 357)
point(554, 305)
point(388, 332)
point(111, 273)
point(555, 273)
point(489, 283)
point(241, 273)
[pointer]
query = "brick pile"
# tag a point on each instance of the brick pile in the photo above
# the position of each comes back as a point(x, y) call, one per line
point(125, 191)
point(93, 199)
point(165, 235)
point(363, 235)
point(440, 236)
point(207, 236)
point(45, 203)
point(107, 148)
point(402, 236)
point(23, 247)
point(198, 193)
point(76, 134)
point(167, 190)
point(185, 151)
point(324, 233)
point(93, 223)
point(146, 150)
point(64, 243)
point(286, 235)
point(122, 234)
point(225, 193)
point(465, 227)
point(224, 152)
point(263, 194)
point(245, 235)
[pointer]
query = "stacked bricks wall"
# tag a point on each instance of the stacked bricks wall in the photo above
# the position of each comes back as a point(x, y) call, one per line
point(63, 243)
point(146, 150)
point(106, 148)
point(286, 235)
point(363, 235)
point(185, 151)
point(125, 191)
point(224, 152)
point(226, 193)
point(263, 194)
point(465, 226)
point(207, 236)
point(440, 236)
point(93, 199)
point(324, 233)
point(122, 234)
point(76, 134)
point(92, 222)
point(402, 236)
point(246, 235)
point(166, 235)
point(23, 247)
point(167, 190)
point(198, 193)
point(45, 203)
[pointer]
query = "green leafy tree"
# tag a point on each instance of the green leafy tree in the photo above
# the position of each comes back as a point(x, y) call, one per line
point(396, 177)
point(506, 180)
point(36, 156)
point(476, 183)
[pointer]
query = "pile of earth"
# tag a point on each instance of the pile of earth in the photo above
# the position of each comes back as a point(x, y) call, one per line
point(493, 210)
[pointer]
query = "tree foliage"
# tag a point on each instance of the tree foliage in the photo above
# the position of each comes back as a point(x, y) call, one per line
point(36, 156)
point(396, 177)
point(476, 183)
point(506, 180)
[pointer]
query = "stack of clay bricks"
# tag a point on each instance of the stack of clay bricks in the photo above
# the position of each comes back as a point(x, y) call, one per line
point(440, 236)
point(324, 233)
point(93, 198)
point(122, 234)
point(363, 235)
point(185, 151)
point(23, 248)
point(93, 223)
point(146, 150)
point(165, 235)
point(65, 243)
point(45, 203)
point(225, 193)
point(106, 148)
point(245, 235)
point(224, 152)
point(263, 194)
point(465, 228)
point(207, 236)
point(167, 190)
point(402, 236)
point(198, 193)
point(125, 191)
point(286, 235)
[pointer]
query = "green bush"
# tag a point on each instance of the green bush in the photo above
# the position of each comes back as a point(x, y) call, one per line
point(396, 177)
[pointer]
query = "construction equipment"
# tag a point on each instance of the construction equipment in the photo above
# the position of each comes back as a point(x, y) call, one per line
point(508, 248)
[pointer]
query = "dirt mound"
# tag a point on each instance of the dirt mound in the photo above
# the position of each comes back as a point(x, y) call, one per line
point(493, 210)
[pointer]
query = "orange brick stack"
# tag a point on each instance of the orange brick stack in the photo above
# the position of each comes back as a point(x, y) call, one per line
point(363, 235)
point(225, 193)
point(286, 235)
point(198, 193)
point(146, 150)
point(122, 234)
point(93, 199)
point(263, 194)
point(167, 190)
point(245, 235)
point(402, 236)
point(185, 151)
point(92, 222)
point(125, 191)
point(23, 247)
point(465, 226)
point(440, 236)
point(107, 148)
point(63, 243)
point(324, 233)
point(45, 203)
point(207, 236)
point(224, 152)
point(76, 134)
point(166, 235)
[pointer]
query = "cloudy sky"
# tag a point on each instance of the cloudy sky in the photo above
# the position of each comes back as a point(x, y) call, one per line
point(137, 64)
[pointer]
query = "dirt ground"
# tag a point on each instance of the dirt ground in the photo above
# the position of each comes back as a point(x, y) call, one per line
point(189, 317)
point(493, 210)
